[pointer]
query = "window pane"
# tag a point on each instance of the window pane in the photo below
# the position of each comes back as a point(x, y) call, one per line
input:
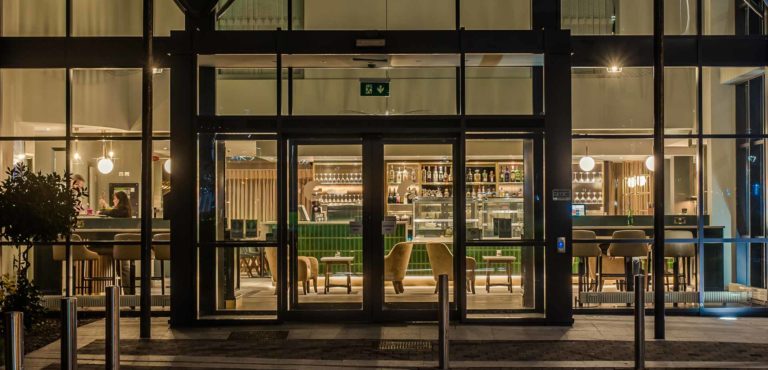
point(733, 18)
point(500, 189)
point(411, 91)
point(681, 183)
point(607, 17)
point(375, 14)
point(734, 275)
point(33, 102)
point(238, 279)
point(496, 14)
point(499, 90)
point(161, 101)
point(168, 17)
point(255, 15)
point(33, 17)
point(107, 17)
point(612, 101)
point(246, 91)
point(612, 184)
point(111, 170)
point(106, 101)
point(501, 281)
point(734, 182)
point(680, 100)
point(733, 100)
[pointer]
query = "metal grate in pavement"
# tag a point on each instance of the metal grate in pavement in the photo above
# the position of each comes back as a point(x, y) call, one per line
point(404, 345)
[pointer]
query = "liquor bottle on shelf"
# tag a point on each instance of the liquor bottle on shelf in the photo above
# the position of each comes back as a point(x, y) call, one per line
point(506, 174)
point(397, 197)
point(434, 173)
point(423, 174)
point(469, 175)
point(440, 174)
point(446, 193)
point(491, 177)
point(429, 174)
point(450, 175)
point(399, 176)
point(484, 176)
point(477, 176)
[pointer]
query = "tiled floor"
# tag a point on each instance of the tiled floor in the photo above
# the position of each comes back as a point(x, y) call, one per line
point(592, 342)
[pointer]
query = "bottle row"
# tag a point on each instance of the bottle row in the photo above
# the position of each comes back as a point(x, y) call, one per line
point(436, 174)
point(340, 178)
point(341, 198)
point(515, 174)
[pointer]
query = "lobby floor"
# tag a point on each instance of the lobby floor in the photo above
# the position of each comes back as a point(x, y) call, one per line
point(592, 342)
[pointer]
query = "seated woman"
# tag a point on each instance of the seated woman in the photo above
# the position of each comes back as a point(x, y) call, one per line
point(122, 206)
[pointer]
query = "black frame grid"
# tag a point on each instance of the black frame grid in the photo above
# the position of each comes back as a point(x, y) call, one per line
point(179, 52)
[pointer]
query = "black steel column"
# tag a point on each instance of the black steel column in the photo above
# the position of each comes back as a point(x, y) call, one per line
point(557, 172)
point(658, 154)
point(146, 174)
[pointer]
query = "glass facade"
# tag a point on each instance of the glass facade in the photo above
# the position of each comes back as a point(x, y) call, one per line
point(336, 175)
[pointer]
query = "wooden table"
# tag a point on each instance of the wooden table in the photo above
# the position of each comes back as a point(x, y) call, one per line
point(343, 261)
point(498, 260)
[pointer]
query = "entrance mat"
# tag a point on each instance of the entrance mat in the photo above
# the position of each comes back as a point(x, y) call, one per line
point(405, 345)
point(460, 350)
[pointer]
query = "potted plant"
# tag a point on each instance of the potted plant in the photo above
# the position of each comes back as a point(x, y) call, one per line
point(35, 208)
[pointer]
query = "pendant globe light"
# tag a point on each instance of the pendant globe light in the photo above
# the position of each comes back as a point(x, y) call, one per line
point(167, 166)
point(649, 163)
point(587, 163)
point(105, 165)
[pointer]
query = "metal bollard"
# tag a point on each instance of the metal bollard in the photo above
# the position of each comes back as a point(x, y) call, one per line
point(112, 330)
point(443, 320)
point(69, 333)
point(639, 321)
point(14, 340)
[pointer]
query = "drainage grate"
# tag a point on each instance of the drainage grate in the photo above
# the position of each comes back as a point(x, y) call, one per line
point(404, 345)
point(259, 335)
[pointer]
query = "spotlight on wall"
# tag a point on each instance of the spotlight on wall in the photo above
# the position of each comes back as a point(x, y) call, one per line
point(614, 69)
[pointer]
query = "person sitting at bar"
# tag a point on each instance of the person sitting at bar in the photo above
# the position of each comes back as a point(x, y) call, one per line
point(122, 206)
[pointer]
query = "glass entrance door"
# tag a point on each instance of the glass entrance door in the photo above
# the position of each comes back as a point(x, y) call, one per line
point(418, 227)
point(326, 226)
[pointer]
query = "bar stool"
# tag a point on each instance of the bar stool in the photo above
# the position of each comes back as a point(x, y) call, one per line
point(82, 256)
point(629, 251)
point(678, 251)
point(585, 251)
point(127, 253)
point(162, 254)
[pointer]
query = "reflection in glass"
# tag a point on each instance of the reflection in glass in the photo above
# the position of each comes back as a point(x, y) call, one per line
point(33, 18)
point(106, 101)
point(496, 15)
point(33, 102)
point(107, 17)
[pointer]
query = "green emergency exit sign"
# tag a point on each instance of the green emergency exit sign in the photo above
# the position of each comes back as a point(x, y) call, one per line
point(374, 88)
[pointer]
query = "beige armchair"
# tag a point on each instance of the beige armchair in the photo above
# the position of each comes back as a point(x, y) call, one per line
point(396, 264)
point(126, 255)
point(314, 270)
point(302, 272)
point(441, 261)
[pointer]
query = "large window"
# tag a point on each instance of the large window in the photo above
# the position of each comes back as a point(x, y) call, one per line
point(103, 154)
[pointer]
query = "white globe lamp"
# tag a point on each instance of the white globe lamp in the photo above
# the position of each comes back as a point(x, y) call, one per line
point(105, 165)
point(167, 165)
point(649, 163)
point(587, 163)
